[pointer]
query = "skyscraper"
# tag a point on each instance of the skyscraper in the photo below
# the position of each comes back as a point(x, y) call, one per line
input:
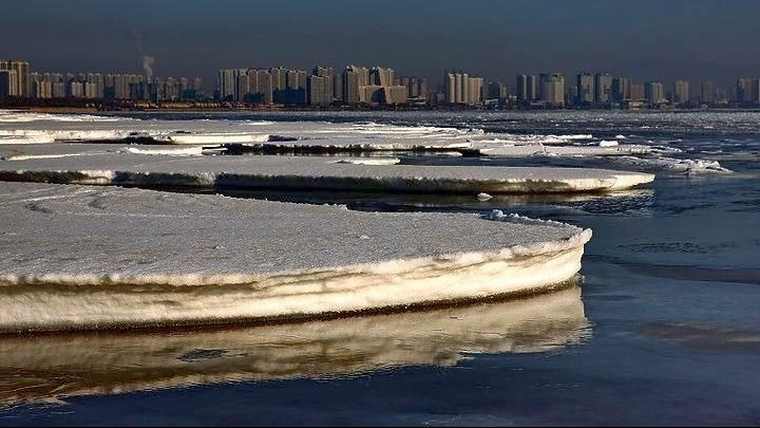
point(654, 93)
point(461, 88)
point(226, 85)
point(621, 89)
point(680, 92)
point(637, 92)
point(260, 86)
point(317, 90)
point(451, 88)
point(329, 74)
point(354, 77)
point(6, 78)
point(707, 93)
point(20, 82)
point(585, 85)
point(534, 90)
point(474, 90)
point(602, 88)
point(381, 76)
point(498, 91)
point(553, 89)
point(521, 88)
point(746, 91)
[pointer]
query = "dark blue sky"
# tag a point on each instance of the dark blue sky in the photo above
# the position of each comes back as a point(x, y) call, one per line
point(646, 39)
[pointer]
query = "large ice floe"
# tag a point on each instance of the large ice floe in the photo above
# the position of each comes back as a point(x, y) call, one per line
point(79, 257)
point(113, 363)
point(299, 172)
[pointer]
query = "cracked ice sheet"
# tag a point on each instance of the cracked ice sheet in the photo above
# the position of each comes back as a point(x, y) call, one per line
point(91, 257)
point(297, 172)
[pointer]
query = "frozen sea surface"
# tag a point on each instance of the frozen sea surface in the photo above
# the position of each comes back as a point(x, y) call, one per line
point(670, 294)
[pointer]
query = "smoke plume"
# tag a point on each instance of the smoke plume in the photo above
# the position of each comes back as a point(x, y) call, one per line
point(147, 63)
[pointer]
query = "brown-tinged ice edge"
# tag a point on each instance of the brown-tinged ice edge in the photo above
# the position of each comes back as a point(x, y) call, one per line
point(122, 362)
point(84, 257)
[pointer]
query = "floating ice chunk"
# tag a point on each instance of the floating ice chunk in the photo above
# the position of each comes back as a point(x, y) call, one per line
point(369, 161)
point(574, 151)
point(482, 196)
point(173, 151)
point(685, 166)
point(217, 138)
point(30, 157)
point(608, 143)
point(314, 173)
point(155, 258)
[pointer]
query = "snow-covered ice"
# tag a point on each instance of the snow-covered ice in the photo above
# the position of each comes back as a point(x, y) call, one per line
point(94, 257)
point(571, 151)
point(298, 172)
point(169, 151)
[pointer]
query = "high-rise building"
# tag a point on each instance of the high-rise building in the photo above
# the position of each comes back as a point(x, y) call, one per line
point(227, 82)
point(680, 92)
point(293, 80)
point(317, 92)
point(637, 92)
point(521, 88)
point(497, 91)
point(461, 88)
point(76, 89)
point(329, 74)
point(534, 87)
point(585, 88)
point(260, 86)
point(20, 84)
point(241, 88)
point(8, 84)
point(381, 76)
point(279, 81)
point(747, 91)
point(707, 93)
point(602, 88)
point(338, 87)
point(475, 91)
point(396, 94)
point(354, 77)
point(232, 84)
point(621, 89)
point(553, 89)
point(654, 93)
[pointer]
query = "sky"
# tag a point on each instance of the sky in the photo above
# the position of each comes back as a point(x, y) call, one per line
point(644, 39)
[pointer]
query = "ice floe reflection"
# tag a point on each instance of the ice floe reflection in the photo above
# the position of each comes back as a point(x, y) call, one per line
point(51, 368)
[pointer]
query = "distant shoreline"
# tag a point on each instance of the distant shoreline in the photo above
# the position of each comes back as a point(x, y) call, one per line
point(206, 109)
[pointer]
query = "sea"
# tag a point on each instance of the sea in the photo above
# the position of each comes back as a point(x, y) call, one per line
point(662, 326)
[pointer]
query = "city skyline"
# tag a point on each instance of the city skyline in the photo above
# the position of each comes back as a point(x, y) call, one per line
point(326, 86)
point(656, 41)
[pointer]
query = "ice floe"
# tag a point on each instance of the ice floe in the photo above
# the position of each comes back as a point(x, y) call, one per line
point(171, 151)
point(315, 173)
point(79, 257)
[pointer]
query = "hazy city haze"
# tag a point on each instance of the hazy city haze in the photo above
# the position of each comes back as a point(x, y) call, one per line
point(653, 39)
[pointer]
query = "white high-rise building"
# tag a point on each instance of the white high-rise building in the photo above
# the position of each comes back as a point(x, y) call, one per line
point(553, 89)
point(461, 88)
